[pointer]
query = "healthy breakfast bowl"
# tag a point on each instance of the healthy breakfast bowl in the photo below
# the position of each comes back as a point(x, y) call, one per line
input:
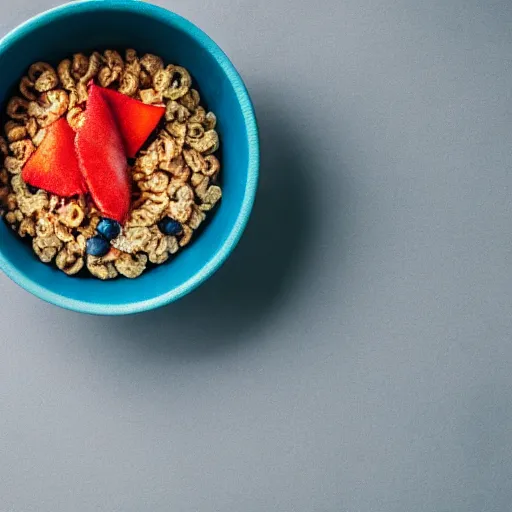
point(219, 170)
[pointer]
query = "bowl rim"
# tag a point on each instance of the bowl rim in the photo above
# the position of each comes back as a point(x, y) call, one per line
point(230, 242)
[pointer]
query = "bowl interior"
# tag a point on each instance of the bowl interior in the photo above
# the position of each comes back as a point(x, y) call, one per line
point(101, 25)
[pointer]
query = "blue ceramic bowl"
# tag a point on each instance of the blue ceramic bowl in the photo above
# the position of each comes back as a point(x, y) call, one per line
point(102, 24)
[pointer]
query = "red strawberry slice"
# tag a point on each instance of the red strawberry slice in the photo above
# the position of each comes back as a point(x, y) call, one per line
point(135, 119)
point(54, 166)
point(102, 158)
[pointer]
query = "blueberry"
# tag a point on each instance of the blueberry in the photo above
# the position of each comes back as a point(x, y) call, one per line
point(97, 246)
point(32, 189)
point(170, 226)
point(108, 228)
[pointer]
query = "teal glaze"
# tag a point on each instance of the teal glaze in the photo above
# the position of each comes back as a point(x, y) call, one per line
point(101, 24)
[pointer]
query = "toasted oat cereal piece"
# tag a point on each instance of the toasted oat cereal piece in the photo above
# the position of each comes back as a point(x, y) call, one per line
point(13, 165)
point(80, 66)
point(12, 219)
point(70, 259)
point(27, 89)
point(132, 62)
point(32, 127)
point(190, 100)
point(145, 80)
point(150, 96)
point(11, 202)
point(172, 244)
point(32, 204)
point(129, 84)
point(210, 121)
point(27, 227)
point(112, 70)
point(194, 160)
point(197, 179)
point(44, 227)
point(46, 247)
point(162, 80)
point(43, 76)
point(76, 117)
point(177, 130)
point(156, 183)
point(37, 139)
point(212, 166)
point(22, 150)
point(93, 68)
point(208, 143)
point(157, 247)
point(89, 229)
point(131, 266)
point(132, 240)
point(63, 233)
point(213, 195)
point(64, 72)
point(100, 268)
point(202, 187)
point(176, 112)
point(180, 211)
point(152, 63)
point(148, 210)
point(71, 215)
point(4, 149)
point(15, 131)
point(180, 83)
point(199, 116)
point(50, 108)
point(17, 109)
point(187, 236)
point(197, 217)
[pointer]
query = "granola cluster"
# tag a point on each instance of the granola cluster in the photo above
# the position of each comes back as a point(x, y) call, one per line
point(175, 175)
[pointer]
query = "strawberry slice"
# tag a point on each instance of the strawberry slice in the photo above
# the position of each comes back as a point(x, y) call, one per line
point(54, 166)
point(102, 158)
point(135, 119)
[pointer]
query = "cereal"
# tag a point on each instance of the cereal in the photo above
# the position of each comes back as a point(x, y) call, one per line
point(17, 109)
point(133, 239)
point(199, 116)
point(175, 174)
point(43, 76)
point(100, 268)
point(70, 259)
point(187, 236)
point(150, 96)
point(131, 266)
point(180, 83)
point(176, 112)
point(210, 121)
point(22, 150)
point(113, 69)
point(208, 143)
point(80, 65)
point(14, 131)
point(32, 128)
point(27, 227)
point(51, 106)
point(27, 89)
point(76, 117)
point(71, 215)
point(46, 247)
point(129, 84)
point(190, 100)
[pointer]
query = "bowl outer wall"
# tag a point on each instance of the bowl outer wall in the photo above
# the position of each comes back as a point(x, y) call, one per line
point(208, 253)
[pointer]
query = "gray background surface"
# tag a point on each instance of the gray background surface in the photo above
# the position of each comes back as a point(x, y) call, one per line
point(354, 354)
